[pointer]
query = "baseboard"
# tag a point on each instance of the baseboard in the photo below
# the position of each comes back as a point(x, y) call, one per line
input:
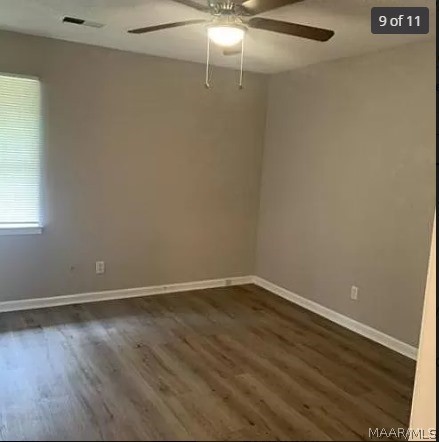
point(107, 295)
point(351, 324)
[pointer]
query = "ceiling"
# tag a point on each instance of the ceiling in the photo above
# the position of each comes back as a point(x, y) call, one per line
point(265, 51)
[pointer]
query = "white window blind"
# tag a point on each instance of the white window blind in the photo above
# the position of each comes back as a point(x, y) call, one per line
point(19, 152)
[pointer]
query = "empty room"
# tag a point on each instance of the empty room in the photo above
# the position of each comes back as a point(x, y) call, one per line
point(217, 220)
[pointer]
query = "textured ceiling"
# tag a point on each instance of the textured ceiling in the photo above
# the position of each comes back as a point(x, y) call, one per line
point(265, 51)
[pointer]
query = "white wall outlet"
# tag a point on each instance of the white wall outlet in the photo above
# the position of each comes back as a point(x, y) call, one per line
point(354, 293)
point(100, 267)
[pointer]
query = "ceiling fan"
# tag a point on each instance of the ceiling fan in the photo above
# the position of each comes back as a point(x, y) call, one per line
point(230, 19)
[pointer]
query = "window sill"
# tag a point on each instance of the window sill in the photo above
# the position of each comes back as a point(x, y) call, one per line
point(16, 230)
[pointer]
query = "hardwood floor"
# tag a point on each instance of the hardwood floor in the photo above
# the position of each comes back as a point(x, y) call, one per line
point(233, 363)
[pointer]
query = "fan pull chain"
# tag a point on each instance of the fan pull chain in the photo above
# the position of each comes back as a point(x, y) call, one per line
point(206, 83)
point(241, 74)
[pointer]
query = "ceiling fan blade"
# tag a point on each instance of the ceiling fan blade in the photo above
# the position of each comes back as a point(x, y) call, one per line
point(283, 27)
point(165, 26)
point(254, 7)
point(234, 50)
point(194, 5)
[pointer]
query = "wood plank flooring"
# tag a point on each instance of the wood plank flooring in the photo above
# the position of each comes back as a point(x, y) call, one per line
point(235, 363)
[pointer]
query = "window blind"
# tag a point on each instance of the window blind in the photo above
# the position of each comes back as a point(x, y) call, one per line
point(19, 152)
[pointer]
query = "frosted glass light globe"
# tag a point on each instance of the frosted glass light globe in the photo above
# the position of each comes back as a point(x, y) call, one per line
point(225, 35)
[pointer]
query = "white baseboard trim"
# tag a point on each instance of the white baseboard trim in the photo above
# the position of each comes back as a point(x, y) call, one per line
point(344, 321)
point(107, 295)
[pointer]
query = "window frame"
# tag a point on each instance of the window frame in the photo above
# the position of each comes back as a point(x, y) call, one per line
point(29, 228)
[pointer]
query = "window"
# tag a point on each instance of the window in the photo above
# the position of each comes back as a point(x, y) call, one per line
point(19, 155)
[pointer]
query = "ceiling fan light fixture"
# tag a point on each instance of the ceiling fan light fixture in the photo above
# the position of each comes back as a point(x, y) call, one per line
point(226, 35)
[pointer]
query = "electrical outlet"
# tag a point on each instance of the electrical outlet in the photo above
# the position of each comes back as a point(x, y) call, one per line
point(354, 293)
point(100, 267)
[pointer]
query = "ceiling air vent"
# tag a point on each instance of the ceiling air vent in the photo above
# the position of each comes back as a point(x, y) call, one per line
point(82, 22)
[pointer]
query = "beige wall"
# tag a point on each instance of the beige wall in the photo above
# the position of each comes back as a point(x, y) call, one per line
point(159, 177)
point(145, 169)
point(424, 398)
point(348, 185)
